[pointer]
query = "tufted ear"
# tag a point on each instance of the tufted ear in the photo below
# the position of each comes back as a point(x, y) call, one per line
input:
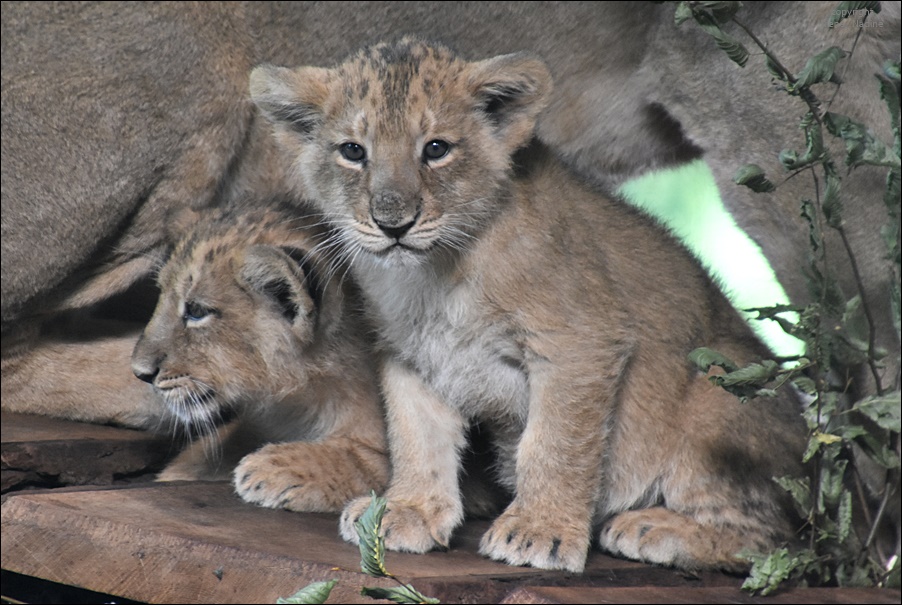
point(512, 90)
point(291, 98)
point(272, 273)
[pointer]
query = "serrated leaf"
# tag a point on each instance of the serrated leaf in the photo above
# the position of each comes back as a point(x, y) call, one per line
point(831, 486)
point(805, 384)
point(401, 594)
point(832, 205)
point(827, 437)
point(704, 358)
point(862, 147)
point(819, 68)
point(753, 374)
point(882, 409)
point(768, 572)
point(878, 451)
point(727, 43)
point(844, 10)
point(372, 544)
point(722, 11)
point(682, 14)
point(844, 516)
point(753, 177)
point(799, 489)
point(314, 593)
point(889, 92)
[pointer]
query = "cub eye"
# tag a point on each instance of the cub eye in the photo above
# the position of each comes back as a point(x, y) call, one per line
point(435, 150)
point(195, 312)
point(353, 152)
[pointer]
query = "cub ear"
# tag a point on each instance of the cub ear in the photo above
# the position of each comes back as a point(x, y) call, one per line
point(512, 90)
point(291, 98)
point(272, 273)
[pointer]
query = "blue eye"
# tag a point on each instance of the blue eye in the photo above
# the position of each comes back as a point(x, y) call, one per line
point(196, 312)
point(435, 150)
point(353, 152)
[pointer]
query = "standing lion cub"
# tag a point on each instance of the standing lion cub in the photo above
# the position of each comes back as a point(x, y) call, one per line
point(506, 291)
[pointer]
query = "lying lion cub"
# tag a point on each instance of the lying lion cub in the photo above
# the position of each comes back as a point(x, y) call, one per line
point(250, 323)
point(504, 290)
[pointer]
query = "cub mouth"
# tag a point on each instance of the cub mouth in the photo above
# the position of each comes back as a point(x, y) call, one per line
point(196, 410)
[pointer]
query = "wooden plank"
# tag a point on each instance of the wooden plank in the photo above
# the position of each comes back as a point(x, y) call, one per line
point(37, 451)
point(198, 543)
point(696, 595)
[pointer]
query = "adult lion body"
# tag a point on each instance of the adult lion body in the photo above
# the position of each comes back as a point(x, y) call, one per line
point(118, 116)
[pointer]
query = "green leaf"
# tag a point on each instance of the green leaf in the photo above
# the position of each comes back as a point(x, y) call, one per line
point(878, 451)
point(799, 489)
point(882, 409)
point(317, 592)
point(753, 374)
point(862, 147)
point(372, 543)
point(831, 486)
point(844, 10)
point(752, 176)
point(704, 358)
point(722, 11)
point(832, 205)
point(819, 68)
point(401, 594)
point(844, 516)
point(769, 571)
point(727, 43)
point(683, 13)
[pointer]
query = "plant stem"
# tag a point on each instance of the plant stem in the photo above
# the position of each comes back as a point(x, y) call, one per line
point(872, 337)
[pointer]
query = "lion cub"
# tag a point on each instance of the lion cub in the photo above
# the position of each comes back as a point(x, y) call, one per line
point(506, 291)
point(252, 324)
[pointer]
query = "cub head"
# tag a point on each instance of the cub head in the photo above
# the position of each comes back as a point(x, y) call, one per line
point(240, 312)
point(405, 147)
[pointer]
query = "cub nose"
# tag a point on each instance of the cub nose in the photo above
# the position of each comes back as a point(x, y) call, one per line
point(145, 373)
point(394, 213)
point(394, 231)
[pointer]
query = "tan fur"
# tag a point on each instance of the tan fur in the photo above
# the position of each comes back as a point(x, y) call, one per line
point(252, 322)
point(118, 119)
point(506, 291)
point(78, 368)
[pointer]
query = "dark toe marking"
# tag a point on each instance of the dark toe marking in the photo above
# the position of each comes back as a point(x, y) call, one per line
point(555, 545)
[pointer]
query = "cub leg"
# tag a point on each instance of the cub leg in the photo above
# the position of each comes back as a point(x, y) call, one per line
point(717, 495)
point(558, 467)
point(659, 535)
point(211, 457)
point(311, 477)
point(425, 437)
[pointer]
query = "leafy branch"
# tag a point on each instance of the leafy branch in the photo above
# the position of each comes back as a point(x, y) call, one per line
point(839, 333)
point(372, 563)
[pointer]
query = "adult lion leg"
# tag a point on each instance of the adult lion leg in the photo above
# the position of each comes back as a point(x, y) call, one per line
point(84, 376)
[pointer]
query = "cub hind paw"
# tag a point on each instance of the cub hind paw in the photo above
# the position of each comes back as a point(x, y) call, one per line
point(658, 535)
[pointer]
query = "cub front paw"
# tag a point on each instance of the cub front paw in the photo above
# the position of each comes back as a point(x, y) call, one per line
point(270, 477)
point(404, 527)
point(521, 539)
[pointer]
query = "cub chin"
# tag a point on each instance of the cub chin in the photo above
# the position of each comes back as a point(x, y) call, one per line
point(253, 327)
point(506, 291)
